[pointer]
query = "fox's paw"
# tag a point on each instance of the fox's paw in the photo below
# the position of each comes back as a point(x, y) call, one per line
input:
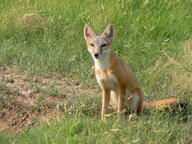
point(133, 117)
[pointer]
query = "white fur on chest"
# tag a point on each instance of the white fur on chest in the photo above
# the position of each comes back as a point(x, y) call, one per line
point(102, 63)
point(110, 81)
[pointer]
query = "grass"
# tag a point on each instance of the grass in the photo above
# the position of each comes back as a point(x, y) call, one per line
point(81, 124)
point(151, 36)
point(145, 30)
point(76, 130)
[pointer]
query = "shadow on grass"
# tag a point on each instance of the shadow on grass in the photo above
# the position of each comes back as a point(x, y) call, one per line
point(90, 107)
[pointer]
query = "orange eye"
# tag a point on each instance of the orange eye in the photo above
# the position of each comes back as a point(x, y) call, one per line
point(91, 44)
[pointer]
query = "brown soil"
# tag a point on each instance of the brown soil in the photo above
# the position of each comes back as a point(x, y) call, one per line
point(25, 101)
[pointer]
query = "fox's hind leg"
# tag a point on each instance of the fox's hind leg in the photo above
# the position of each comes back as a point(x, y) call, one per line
point(137, 106)
point(135, 103)
point(138, 101)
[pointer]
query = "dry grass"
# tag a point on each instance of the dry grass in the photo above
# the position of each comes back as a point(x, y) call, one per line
point(173, 74)
point(32, 22)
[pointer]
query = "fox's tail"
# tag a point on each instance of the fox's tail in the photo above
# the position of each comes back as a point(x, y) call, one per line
point(171, 103)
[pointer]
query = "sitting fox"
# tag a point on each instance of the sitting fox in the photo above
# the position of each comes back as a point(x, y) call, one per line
point(118, 82)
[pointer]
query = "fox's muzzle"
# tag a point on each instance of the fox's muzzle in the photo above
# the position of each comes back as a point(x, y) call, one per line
point(97, 52)
point(96, 55)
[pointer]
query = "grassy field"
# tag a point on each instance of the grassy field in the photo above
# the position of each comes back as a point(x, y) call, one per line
point(154, 37)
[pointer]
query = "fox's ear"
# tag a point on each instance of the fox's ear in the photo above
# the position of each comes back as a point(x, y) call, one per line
point(109, 32)
point(88, 32)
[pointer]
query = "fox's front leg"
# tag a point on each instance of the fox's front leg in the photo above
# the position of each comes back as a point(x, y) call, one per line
point(121, 98)
point(105, 102)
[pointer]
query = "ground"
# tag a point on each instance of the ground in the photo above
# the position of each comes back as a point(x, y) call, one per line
point(24, 101)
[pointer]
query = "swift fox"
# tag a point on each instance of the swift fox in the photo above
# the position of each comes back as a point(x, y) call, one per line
point(118, 82)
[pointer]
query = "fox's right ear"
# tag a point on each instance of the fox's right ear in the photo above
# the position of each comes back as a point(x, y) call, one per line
point(88, 32)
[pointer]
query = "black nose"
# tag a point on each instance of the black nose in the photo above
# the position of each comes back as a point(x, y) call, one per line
point(96, 55)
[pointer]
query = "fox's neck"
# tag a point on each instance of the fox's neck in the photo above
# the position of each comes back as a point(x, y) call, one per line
point(103, 63)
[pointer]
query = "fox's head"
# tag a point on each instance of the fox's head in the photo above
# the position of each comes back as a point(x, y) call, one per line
point(99, 45)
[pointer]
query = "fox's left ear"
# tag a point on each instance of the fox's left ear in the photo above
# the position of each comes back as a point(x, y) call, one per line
point(109, 32)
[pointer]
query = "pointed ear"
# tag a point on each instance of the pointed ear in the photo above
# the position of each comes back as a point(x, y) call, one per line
point(88, 32)
point(109, 32)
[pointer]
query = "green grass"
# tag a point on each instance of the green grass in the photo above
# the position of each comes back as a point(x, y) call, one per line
point(81, 124)
point(145, 30)
point(87, 130)
point(150, 37)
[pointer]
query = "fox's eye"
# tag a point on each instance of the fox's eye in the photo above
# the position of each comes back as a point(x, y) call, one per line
point(91, 44)
point(103, 45)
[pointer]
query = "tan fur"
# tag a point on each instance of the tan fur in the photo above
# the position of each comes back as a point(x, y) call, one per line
point(161, 104)
point(113, 75)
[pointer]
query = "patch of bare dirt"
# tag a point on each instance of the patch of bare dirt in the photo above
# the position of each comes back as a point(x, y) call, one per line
point(25, 101)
